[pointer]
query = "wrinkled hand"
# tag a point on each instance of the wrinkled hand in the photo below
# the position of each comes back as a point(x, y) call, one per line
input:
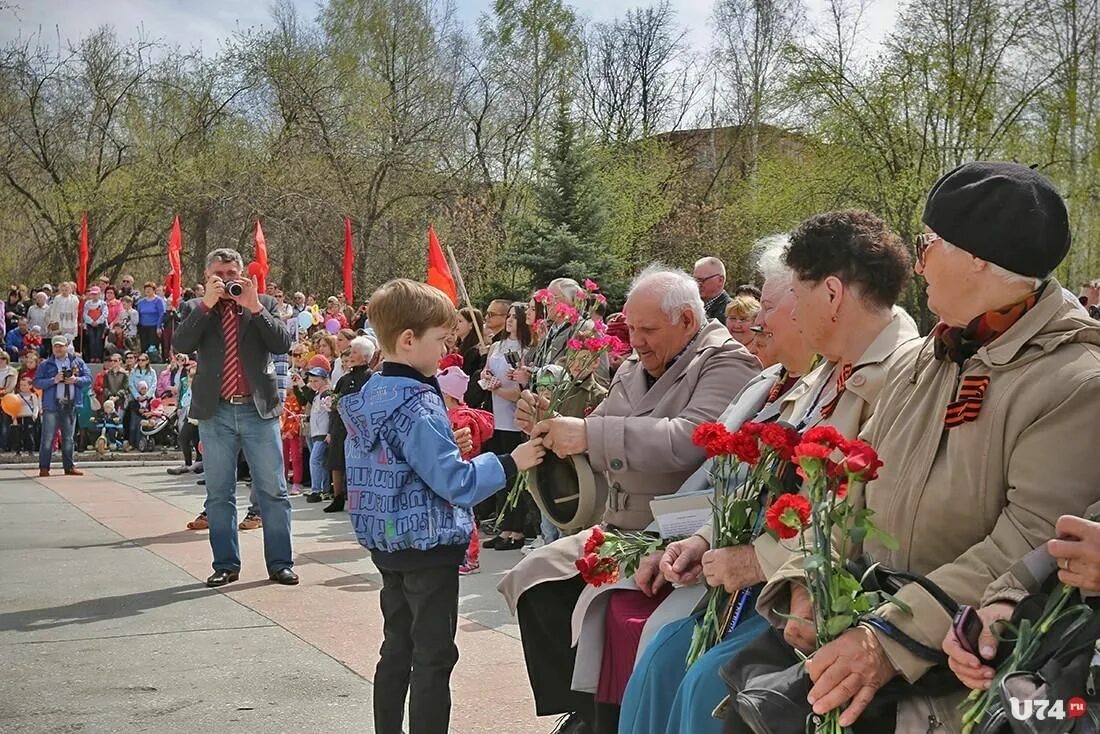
point(974, 673)
point(465, 440)
point(682, 561)
point(851, 669)
point(250, 295)
point(525, 410)
point(732, 568)
point(798, 634)
point(1077, 551)
point(648, 577)
point(215, 290)
point(564, 436)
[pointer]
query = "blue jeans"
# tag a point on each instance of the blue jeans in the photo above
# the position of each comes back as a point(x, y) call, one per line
point(65, 419)
point(231, 429)
point(320, 480)
point(549, 531)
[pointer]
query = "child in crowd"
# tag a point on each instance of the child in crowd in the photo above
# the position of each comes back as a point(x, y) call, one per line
point(290, 427)
point(109, 420)
point(409, 496)
point(453, 382)
point(24, 436)
point(320, 487)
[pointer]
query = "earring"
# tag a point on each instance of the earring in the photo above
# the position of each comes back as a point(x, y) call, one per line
point(834, 318)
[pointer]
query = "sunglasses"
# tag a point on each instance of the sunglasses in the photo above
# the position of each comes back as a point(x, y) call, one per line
point(701, 281)
point(924, 241)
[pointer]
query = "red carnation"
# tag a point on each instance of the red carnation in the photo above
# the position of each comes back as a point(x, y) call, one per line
point(780, 438)
point(714, 437)
point(744, 447)
point(807, 450)
point(597, 571)
point(595, 540)
point(861, 460)
point(788, 515)
point(751, 428)
point(842, 490)
point(824, 434)
point(451, 360)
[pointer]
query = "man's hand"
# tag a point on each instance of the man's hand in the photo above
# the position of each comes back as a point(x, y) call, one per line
point(250, 295)
point(465, 440)
point(851, 668)
point(1077, 551)
point(564, 436)
point(974, 673)
point(648, 577)
point(58, 378)
point(526, 409)
point(682, 561)
point(521, 375)
point(732, 568)
point(215, 289)
point(70, 380)
point(800, 634)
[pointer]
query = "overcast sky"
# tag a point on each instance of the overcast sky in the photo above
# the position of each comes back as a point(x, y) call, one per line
point(204, 23)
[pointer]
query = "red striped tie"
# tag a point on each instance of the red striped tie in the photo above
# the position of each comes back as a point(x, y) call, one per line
point(841, 380)
point(231, 373)
point(969, 403)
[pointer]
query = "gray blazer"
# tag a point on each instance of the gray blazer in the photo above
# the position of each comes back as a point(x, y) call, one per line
point(261, 335)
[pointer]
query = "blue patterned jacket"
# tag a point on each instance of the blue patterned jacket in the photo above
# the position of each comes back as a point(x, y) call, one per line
point(405, 478)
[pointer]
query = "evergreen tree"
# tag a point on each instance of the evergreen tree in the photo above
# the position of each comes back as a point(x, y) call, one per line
point(562, 236)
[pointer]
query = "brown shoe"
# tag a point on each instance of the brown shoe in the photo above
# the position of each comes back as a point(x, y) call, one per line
point(74, 473)
point(43, 472)
point(199, 523)
point(251, 522)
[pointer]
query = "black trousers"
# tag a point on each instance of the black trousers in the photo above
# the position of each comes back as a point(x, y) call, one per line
point(420, 616)
point(544, 613)
point(93, 342)
point(149, 338)
point(189, 441)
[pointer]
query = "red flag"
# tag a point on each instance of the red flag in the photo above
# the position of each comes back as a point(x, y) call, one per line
point(175, 267)
point(349, 264)
point(82, 263)
point(259, 267)
point(439, 272)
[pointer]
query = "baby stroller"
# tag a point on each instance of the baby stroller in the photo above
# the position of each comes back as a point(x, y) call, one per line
point(160, 426)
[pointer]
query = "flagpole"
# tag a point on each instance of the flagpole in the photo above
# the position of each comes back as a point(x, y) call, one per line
point(463, 292)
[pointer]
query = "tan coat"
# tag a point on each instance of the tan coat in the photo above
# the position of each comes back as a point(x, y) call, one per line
point(640, 439)
point(799, 406)
point(965, 504)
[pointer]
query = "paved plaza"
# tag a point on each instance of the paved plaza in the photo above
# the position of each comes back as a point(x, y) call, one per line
point(106, 626)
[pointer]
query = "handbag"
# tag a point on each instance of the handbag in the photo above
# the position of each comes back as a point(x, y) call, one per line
point(768, 683)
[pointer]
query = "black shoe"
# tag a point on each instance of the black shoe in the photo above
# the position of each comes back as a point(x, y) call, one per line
point(314, 497)
point(492, 542)
point(201, 482)
point(572, 724)
point(284, 576)
point(336, 506)
point(508, 545)
point(221, 578)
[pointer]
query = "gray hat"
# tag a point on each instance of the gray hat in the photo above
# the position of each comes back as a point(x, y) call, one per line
point(62, 340)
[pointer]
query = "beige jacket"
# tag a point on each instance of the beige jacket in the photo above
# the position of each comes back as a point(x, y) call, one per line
point(965, 504)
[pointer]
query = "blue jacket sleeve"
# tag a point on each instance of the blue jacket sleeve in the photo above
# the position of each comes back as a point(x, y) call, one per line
point(436, 460)
point(134, 380)
point(83, 377)
point(43, 376)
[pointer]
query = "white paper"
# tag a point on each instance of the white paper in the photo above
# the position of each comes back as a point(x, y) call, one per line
point(682, 524)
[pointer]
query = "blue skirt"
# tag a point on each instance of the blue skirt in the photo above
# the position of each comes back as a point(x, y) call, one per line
point(664, 698)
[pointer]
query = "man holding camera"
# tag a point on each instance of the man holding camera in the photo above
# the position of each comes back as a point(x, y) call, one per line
point(63, 380)
point(235, 331)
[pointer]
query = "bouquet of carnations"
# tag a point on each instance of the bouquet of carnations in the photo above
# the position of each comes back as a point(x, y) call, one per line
point(587, 341)
point(746, 466)
point(837, 596)
point(613, 554)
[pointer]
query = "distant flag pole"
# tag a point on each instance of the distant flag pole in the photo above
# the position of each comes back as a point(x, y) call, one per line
point(175, 247)
point(259, 267)
point(439, 272)
point(349, 264)
point(82, 262)
point(462, 290)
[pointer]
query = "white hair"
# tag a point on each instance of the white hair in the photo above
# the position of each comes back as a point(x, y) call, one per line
point(712, 262)
point(679, 292)
point(1007, 276)
point(567, 287)
point(364, 346)
point(770, 254)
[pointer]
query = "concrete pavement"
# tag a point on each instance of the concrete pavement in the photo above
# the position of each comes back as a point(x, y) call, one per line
point(105, 625)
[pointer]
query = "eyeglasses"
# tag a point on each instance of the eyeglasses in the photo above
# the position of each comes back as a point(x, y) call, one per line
point(497, 315)
point(702, 281)
point(924, 241)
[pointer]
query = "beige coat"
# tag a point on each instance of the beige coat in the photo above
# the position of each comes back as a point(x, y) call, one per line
point(640, 439)
point(965, 504)
point(799, 406)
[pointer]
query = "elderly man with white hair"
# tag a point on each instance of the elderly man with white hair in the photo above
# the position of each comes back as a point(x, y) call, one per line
point(710, 276)
point(683, 371)
point(358, 365)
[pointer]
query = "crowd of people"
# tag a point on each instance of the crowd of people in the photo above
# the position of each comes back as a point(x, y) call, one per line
point(419, 419)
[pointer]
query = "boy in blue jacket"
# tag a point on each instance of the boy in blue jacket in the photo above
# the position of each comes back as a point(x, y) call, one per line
point(408, 497)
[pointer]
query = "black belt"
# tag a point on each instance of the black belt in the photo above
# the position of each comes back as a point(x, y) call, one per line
point(238, 399)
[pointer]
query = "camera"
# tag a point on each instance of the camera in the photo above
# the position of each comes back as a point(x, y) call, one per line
point(66, 374)
point(234, 288)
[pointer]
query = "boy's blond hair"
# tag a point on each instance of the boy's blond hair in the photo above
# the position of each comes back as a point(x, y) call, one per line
point(404, 304)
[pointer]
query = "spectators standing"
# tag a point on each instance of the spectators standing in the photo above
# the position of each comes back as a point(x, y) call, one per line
point(29, 364)
point(14, 310)
point(15, 341)
point(236, 403)
point(24, 429)
point(343, 345)
point(740, 316)
point(129, 318)
point(142, 372)
point(63, 380)
point(114, 382)
point(333, 310)
point(319, 407)
point(710, 275)
point(65, 311)
point(150, 310)
point(168, 328)
point(126, 288)
point(39, 312)
point(360, 355)
point(9, 385)
point(95, 325)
